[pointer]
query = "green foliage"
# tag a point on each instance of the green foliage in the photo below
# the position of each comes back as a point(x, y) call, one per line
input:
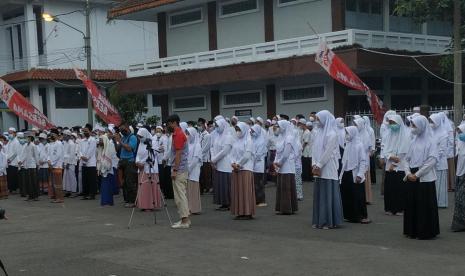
point(424, 10)
point(152, 120)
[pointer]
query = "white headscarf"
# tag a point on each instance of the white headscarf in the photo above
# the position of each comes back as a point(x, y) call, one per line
point(397, 142)
point(384, 126)
point(258, 139)
point(441, 129)
point(328, 128)
point(106, 157)
point(420, 148)
point(363, 133)
point(183, 126)
point(460, 144)
point(195, 150)
point(243, 143)
point(351, 156)
point(144, 133)
point(341, 134)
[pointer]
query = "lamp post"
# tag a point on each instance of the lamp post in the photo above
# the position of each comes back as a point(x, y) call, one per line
point(49, 18)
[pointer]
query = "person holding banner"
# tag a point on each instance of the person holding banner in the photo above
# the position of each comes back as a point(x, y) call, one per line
point(13, 150)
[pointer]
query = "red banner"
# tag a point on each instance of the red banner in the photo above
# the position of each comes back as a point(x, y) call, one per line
point(104, 109)
point(339, 71)
point(22, 107)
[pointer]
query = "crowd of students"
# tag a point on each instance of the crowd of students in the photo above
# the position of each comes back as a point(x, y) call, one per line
point(234, 160)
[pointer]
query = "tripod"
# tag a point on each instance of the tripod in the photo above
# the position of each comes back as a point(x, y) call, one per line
point(150, 161)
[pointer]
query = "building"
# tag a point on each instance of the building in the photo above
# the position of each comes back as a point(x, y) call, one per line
point(37, 57)
point(256, 57)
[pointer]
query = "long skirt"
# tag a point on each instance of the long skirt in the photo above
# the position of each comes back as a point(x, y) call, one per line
point(22, 182)
point(286, 194)
point(368, 191)
point(441, 188)
point(106, 191)
point(32, 186)
point(149, 196)
point(114, 181)
point(307, 169)
point(259, 183)
point(421, 219)
point(205, 177)
point(353, 199)
point(394, 192)
point(451, 173)
point(69, 179)
point(298, 183)
point(193, 197)
point(458, 222)
point(222, 188)
point(242, 194)
point(3, 187)
point(270, 167)
point(57, 182)
point(166, 184)
point(327, 204)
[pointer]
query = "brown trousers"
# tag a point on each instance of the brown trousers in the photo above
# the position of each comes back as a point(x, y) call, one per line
point(57, 178)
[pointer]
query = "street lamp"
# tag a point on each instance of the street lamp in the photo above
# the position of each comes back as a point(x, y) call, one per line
point(49, 18)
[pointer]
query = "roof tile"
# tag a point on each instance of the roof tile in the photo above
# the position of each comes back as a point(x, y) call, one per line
point(61, 74)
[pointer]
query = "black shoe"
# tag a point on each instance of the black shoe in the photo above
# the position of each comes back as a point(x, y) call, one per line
point(85, 198)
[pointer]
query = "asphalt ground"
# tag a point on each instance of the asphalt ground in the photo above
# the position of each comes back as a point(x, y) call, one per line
point(81, 238)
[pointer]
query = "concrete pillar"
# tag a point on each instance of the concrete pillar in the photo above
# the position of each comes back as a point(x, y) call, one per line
point(30, 36)
point(387, 92)
point(51, 107)
point(34, 96)
point(386, 15)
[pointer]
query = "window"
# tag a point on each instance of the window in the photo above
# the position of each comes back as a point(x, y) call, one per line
point(351, 5)
point(376, 7)
point(238, 7)
point(364, 6)
point(245, 98)
point(184, 18)
point(70, 97)
point(189, 103)
point(303, 94)
point(283, 3)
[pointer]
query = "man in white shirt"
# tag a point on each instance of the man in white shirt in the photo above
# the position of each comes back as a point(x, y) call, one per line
point(43, 177)
point(70, 162)
point(28, 161)
point(89, 165)
point(205, 170)
point(55, 162)
point(13, 150)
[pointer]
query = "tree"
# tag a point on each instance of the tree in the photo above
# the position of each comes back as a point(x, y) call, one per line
point(132, 108)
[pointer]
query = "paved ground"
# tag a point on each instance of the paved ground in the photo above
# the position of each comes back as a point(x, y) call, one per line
point(80, 238)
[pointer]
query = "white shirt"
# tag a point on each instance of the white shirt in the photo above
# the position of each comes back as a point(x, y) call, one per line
point(89, 150)
point(56, 154)
point(161, 144)
point(13, 151)
point(221, 150)
point(3, 164)
point(242, 153)
point(328, 163)
point(206, 143)
point(43, 155)
point(30, 156)
point(69, 149)
point(193, 162)
point(307, 144)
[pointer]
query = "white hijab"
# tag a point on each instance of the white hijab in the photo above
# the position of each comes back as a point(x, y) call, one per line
point(341, 134)
point(195, 150)
point(351, 156)
point(396, 142)
point(420, 148)
point(383, 129)
point(258, 139)
point(327, 129)
point(363, 133)
point(460, 144)
point(106, 157)
point(441, 126)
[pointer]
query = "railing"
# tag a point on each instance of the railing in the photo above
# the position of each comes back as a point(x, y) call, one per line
point(291, 47)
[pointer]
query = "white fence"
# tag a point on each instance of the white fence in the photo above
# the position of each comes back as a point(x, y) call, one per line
point(291, 47)
point(402, 112)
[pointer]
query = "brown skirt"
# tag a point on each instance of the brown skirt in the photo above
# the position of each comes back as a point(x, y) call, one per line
point(3, 187)
point(242, 194)
point(193, 197)
point(286, 194)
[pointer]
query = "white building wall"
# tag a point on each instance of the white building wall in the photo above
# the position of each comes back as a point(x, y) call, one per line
point(304, 108)
point(114, 44)
point(291, 21)
point(188, 39)
point(241, 30)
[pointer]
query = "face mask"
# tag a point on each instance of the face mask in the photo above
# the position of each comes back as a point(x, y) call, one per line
point(22, 141)
point(415, 131)
point(10, 138)
point(276, 132)
point(158, 134)
point(462, 137)
point(239, 134)
point(394, 127)
point(152, 132)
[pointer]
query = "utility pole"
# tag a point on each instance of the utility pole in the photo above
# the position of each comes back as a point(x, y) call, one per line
point(458, 107)
point(90, 113)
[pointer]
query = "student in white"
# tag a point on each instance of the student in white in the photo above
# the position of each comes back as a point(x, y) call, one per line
point(458, 221)
point(259, 142)
point(438, 122)
point(55, 161)
point(194, 161)
point(43, 175)
point(13, 150)
point(3, 166)
point(69, 164)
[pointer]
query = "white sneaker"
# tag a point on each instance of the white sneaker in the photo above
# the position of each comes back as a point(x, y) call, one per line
point(180, 226)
